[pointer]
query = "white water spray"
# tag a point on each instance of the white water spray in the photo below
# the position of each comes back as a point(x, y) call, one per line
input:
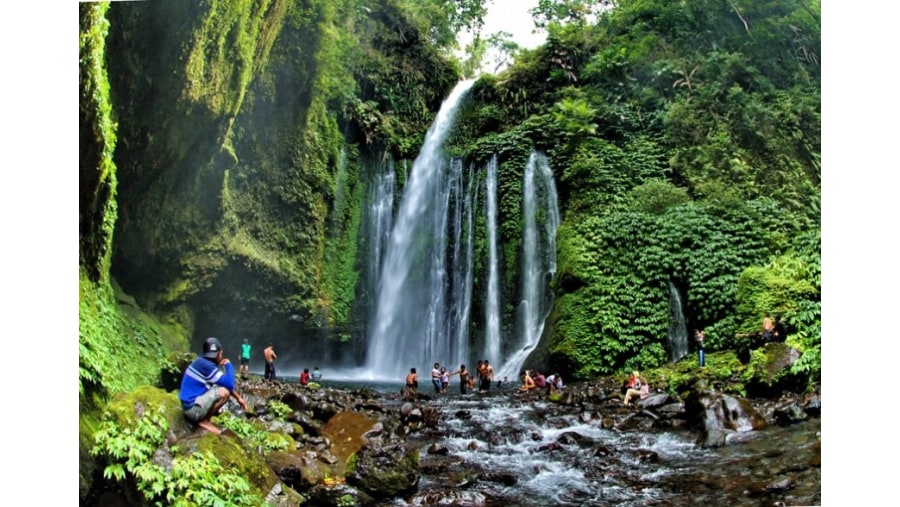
point(492, 303)
point(411, 325)
point(541, 217)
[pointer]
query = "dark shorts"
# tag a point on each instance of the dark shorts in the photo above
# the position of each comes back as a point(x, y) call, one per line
point(245, 361)
point(203, 404)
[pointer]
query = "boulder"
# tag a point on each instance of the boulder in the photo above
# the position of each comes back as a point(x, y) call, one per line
point(385, 471)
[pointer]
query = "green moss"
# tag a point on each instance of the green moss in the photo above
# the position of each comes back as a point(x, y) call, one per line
point(723, 371)
point(120, 347)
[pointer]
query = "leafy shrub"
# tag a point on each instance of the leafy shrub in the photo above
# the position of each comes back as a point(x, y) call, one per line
point(197, 479)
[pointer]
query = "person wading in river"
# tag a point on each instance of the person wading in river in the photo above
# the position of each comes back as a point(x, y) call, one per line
point(488, 376)
point(465, 376)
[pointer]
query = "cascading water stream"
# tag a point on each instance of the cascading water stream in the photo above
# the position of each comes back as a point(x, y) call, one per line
point(541, 214)
point(462, 278)
point(492, 312)
point(678, 335)
point(411, 327)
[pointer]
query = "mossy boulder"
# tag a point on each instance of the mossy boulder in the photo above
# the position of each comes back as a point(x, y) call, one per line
point(126, 408)
point(385, 471)
point(769, 371)
point(722, 371)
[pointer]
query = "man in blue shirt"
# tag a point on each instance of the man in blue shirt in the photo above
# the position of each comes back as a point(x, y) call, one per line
point(206, 385)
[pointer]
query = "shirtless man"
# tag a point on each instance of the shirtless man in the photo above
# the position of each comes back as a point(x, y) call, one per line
point(488, 376)
point(270, 357)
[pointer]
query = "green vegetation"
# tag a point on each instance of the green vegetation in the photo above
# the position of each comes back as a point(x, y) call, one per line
point(194, 479)
point(686, 144)
point(225, 158)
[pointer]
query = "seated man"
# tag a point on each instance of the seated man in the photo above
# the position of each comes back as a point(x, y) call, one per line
point(206, 386)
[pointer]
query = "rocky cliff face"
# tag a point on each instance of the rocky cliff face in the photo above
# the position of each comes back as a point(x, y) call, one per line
point(231, 136)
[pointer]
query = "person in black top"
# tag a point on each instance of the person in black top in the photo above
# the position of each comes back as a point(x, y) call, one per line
point(779, 333)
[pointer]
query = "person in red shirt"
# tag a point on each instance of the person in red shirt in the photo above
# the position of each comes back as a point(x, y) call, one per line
point(304, 377)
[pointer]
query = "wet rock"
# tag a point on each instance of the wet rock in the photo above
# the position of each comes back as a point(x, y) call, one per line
point(647, 456)
point(346, 432)
point(505, 478)
point(654, 400)
point(295, 400)
point(288, 467)
point(451, 497)
point(813, 404)
point(552, 446)
point(384, 471)
point(338, 494)
point(789, 413)
point(574, 438)
point(309, 425)
point(324, 411)
point(602, 451)
point(438, 449)
point(715, 414)
point(463, 414)
point(283, 496)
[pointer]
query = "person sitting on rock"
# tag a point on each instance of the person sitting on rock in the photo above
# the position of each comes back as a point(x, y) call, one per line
point(637, 387)
point(206, 386)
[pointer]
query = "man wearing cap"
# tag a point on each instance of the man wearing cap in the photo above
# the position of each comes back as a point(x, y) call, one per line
point(206, 386)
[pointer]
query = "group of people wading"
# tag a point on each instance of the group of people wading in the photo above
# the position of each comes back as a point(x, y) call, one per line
point(440, 378)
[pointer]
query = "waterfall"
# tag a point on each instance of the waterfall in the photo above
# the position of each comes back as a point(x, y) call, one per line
point(379, 220)
point(678, 336)
point(411, 327)
point(541, 217)
point(492, 303)
point(462, 278)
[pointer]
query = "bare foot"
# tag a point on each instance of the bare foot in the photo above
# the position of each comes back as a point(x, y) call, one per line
point(210, 427)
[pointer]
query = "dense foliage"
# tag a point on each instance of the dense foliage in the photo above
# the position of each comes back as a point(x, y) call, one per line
point(685, 137)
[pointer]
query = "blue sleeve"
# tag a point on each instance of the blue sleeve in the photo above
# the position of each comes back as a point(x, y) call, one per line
point(227, 380)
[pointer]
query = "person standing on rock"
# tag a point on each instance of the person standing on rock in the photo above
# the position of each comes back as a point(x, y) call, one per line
point(270, 357)
point(206, 386)
point(699, 336)
point(412, 382)
point(245, 359)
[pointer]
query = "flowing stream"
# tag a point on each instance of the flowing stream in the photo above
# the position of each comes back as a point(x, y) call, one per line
point(506, 449)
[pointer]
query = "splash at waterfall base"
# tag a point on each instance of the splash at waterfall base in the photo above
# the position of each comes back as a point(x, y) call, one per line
point(581, 447)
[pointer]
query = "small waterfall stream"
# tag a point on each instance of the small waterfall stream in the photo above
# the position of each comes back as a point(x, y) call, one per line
point(678, 335)
point(492, 326)
point(541, 217)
